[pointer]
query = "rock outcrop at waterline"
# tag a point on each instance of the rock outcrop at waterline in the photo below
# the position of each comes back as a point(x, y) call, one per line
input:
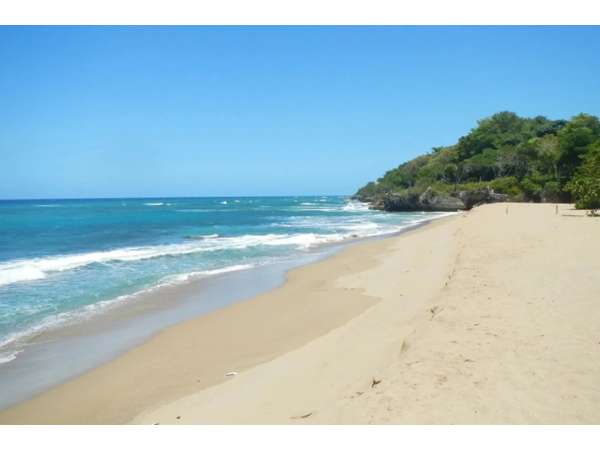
point(480, 196)
point(431, 200)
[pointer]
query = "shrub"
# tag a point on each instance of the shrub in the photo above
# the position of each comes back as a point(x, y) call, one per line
point(506, 185)
point(531, 189)
point(586, 192)
point(551, 192)
point(585, 185)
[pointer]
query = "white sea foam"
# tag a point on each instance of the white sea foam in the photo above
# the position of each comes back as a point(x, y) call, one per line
point(89, 311)
point(333, 223)
point(350, 206)
point(362, 226)
point(154, 204)
point(208, 273)
point(38, 268)
point(304, 240)
point(19, 272)
point(8, 356)
point(354, 206)
point(32, 269)
point(320, 208)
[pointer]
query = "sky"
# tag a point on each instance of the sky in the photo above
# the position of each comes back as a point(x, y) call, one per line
point(91, 112)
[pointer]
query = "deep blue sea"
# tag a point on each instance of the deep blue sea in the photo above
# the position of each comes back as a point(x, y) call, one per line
point(67, 260)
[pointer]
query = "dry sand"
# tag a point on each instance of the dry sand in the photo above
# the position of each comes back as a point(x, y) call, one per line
point(484, 317)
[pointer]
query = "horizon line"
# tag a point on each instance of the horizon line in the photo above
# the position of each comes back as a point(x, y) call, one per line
point(167, 197)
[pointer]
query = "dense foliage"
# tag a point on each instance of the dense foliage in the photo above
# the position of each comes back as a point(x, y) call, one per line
point(529, 159)
point(585, 185)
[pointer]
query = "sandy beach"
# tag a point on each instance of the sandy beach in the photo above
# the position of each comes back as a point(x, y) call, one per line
point(485, 317)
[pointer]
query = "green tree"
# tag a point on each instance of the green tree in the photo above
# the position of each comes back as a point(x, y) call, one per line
point(574, 139)
point(585, 185)
point(548, 150)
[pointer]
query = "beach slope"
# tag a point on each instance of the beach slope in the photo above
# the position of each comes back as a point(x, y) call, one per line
point(489, 316)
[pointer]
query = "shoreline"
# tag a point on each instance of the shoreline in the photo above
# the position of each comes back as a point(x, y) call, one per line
point(484, 317)
point(193, 300)
point(490, 318)
point(129, 324)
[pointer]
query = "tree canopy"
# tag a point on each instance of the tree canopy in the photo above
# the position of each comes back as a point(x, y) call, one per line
point(529, 159)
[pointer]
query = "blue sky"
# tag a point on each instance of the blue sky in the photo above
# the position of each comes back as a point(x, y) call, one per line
point(101, 112)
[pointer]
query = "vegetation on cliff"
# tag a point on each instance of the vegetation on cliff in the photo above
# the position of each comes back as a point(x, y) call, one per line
point(527, 159)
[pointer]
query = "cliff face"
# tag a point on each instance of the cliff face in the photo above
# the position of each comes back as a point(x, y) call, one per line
point(431, 200)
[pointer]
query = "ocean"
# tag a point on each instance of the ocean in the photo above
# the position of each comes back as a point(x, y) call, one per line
point(68, 261)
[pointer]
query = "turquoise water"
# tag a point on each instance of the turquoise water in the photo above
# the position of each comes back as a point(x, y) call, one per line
point(67, 260)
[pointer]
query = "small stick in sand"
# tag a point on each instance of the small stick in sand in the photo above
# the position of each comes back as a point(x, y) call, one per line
point(375, 382)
